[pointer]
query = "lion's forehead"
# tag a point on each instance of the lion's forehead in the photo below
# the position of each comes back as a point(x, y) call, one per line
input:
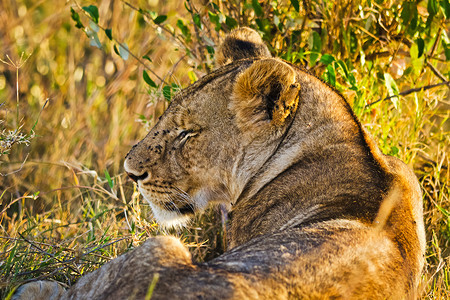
point(210, 84)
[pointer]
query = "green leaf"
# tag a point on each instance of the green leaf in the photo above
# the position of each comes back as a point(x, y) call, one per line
point(147, 58)
point(192, 76)
point(296, 5)
point(108, 178)
point(432, 8)
point(394, 150)
point(94, 26)
point(152, 14)
point(406, 12)
point(184, 30)
point(257, 7)
point(331, 75)
point(445, 4)
point(216, 7)
point(409, 16)
point(313, 58)
point(187, 8)
point(343, 66)
point(160, 19)
point(148, 80)
point(76, 17)
point(353, 42)
point(231, 22)
point(392, 88)
point(414, 51)
point(416, 61)
point(122, 51)
point(210, 49)
point(276, 20)
point(167, 92)
point(327, 59)
point(92, 10)
point(420, 46)
point(116, 50)
point(446, 49)
point(215, 19)
point(94, 40)
point(108, 33)
point(316, 42)
point(197, 20)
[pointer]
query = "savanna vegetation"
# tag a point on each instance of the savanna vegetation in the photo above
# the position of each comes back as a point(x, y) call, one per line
point(82, 81)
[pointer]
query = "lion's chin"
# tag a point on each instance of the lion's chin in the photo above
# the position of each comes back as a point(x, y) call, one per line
point(169, 219)
point(180, 216)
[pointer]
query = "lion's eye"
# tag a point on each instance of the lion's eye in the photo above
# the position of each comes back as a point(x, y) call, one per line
point(184, 136)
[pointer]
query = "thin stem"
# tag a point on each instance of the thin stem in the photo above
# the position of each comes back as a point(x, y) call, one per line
point(407, 92)
point(17, 97)
point(17, 65)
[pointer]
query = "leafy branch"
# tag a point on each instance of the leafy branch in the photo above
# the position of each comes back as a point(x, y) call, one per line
point(91, 12)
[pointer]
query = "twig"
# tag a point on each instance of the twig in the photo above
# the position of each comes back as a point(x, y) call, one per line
point(437, 73)
point(436, 41)
point(18, 170)
point(169, 74)
point(368, 33)
point(106, 245)
point(407, 92)
point(158, 25)
point(197, 34)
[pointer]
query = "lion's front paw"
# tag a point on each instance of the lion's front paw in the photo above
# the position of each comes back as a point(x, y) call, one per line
point(38, 290)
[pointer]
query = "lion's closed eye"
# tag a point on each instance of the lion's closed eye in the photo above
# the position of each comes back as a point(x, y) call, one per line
point(184, 136)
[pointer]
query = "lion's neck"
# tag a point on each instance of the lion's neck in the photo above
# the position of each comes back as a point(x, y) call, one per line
point(324, 167)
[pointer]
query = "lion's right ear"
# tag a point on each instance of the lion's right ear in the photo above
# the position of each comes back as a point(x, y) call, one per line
point(265, 96)
point(241, 43)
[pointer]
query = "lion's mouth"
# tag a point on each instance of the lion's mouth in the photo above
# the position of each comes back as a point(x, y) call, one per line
point(184, 210)
point(169, 200)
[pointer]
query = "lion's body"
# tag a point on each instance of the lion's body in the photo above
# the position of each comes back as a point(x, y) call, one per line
point(317, 211)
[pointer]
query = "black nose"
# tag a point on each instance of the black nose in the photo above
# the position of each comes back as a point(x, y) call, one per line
point(137, 177)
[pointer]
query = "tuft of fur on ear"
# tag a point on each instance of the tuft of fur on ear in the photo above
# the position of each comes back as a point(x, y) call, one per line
point(265, 95)
point(241, 43)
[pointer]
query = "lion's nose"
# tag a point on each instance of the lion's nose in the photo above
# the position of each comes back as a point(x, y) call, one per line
point(137, 177)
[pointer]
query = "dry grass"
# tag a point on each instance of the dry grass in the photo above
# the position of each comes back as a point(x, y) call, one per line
point(62, 216)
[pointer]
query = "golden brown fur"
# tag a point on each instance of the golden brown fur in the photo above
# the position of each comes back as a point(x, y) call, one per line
point(317, 211)
point(239, 44)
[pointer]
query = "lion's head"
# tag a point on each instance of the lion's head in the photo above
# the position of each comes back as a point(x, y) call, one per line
point(215, 133)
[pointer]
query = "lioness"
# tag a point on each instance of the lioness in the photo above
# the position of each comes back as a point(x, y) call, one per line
point(316, 210)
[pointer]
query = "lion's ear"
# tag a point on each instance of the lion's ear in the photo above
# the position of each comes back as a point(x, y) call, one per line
point(241, 43)
point(265, 95)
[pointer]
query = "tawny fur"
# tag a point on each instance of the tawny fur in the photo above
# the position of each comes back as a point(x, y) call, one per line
point(317, 211)
point(239, 44)
point(40, 290)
